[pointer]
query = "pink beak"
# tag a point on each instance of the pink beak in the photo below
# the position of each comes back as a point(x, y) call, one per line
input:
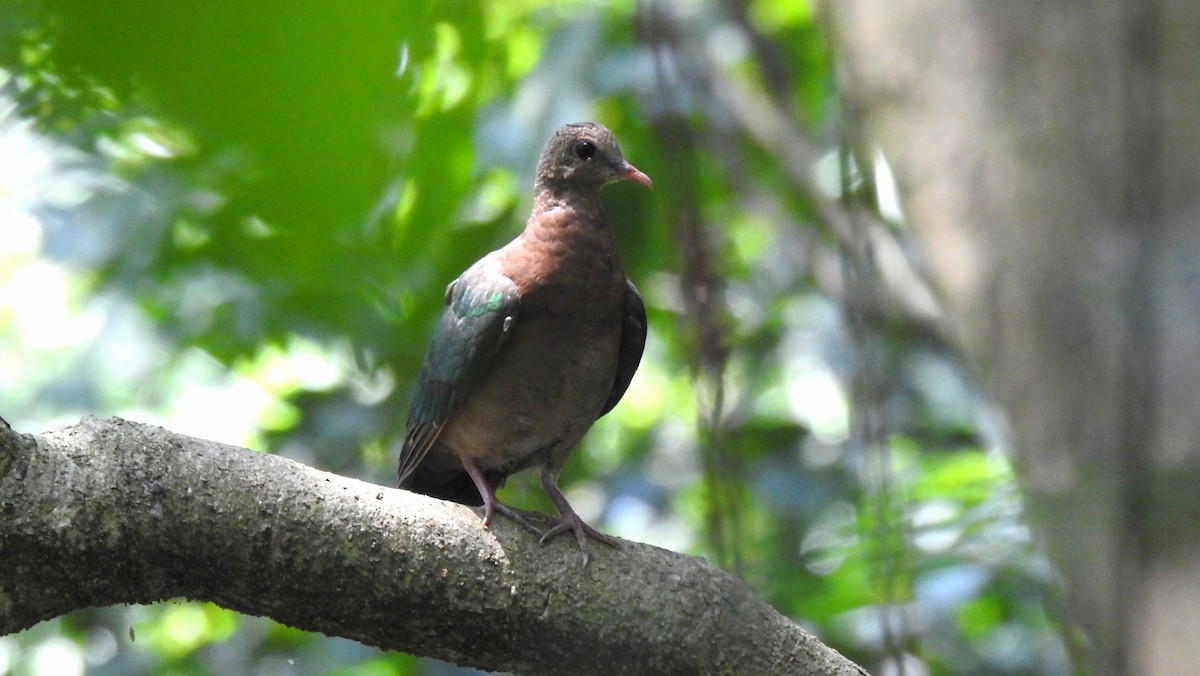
point(631, 172)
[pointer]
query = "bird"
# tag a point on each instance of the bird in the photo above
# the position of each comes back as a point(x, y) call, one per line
point(537, 341)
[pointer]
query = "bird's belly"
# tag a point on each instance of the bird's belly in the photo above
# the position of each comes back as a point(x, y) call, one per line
point(539, 397)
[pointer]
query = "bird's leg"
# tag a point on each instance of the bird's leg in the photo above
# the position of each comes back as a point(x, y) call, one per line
point(490, 502)
point(568, 520)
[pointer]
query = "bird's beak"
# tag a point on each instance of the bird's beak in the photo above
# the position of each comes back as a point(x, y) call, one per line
point(631, 172)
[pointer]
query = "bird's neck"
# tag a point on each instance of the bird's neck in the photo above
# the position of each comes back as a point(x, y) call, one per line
point(576, 225)
point(551, 194)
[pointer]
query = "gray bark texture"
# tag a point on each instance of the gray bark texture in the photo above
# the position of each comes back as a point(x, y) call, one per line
point(110, 511)
point(1047, 154)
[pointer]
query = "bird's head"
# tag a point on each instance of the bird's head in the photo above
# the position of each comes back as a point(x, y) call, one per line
point(585, 154)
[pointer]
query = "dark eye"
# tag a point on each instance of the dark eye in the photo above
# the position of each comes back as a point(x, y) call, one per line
point(585, 150)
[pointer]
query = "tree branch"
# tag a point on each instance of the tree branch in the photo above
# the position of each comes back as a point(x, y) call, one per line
point(109, 511)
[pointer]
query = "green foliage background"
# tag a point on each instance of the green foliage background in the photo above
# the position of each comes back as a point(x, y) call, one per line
point(269, 197)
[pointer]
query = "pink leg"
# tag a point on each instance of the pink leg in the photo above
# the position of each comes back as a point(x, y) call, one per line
point(569, 519)
point(490, 503)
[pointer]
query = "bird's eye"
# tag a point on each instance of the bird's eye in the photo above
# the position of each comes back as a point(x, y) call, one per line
point(585, 150)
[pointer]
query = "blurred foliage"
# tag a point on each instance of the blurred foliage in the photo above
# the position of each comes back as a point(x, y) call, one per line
point(237, 219)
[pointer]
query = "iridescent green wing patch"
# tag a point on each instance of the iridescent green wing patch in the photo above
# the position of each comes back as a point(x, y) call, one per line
point(482, 306)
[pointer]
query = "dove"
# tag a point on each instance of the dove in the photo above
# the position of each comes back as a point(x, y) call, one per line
point(537, 341)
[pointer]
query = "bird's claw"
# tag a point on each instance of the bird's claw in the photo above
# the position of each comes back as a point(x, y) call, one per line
point(493, 506)
point(582, 533)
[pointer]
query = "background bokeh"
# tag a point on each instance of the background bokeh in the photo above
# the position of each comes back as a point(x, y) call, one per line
point(236, 220)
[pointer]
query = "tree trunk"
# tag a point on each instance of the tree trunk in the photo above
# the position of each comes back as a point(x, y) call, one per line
point(1046, 156)
point(109, 512)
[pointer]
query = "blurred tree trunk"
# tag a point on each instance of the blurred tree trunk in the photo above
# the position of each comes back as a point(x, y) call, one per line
point(1046, 152)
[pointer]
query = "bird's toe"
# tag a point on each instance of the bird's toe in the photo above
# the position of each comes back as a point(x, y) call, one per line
point(582, 533)
point(493, 506)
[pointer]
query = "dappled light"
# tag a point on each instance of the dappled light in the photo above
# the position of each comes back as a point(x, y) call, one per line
point(239, 224)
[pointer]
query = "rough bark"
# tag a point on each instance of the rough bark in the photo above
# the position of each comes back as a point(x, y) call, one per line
point(109, 511)
point(1046, 153)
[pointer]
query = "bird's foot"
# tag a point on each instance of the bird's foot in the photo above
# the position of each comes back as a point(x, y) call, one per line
point(570, 521)
point(494, 505)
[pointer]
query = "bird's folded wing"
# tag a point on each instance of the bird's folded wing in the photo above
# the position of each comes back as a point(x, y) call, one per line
point(481, 307)
point(633, 343)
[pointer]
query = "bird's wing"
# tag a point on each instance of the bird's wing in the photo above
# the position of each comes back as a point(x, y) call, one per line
point(481, 307)
point(633, 342)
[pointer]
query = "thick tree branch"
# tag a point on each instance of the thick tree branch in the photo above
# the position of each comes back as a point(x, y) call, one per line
point(109, 511)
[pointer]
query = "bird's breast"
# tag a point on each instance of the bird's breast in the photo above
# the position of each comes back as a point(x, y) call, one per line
point(566, 261)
